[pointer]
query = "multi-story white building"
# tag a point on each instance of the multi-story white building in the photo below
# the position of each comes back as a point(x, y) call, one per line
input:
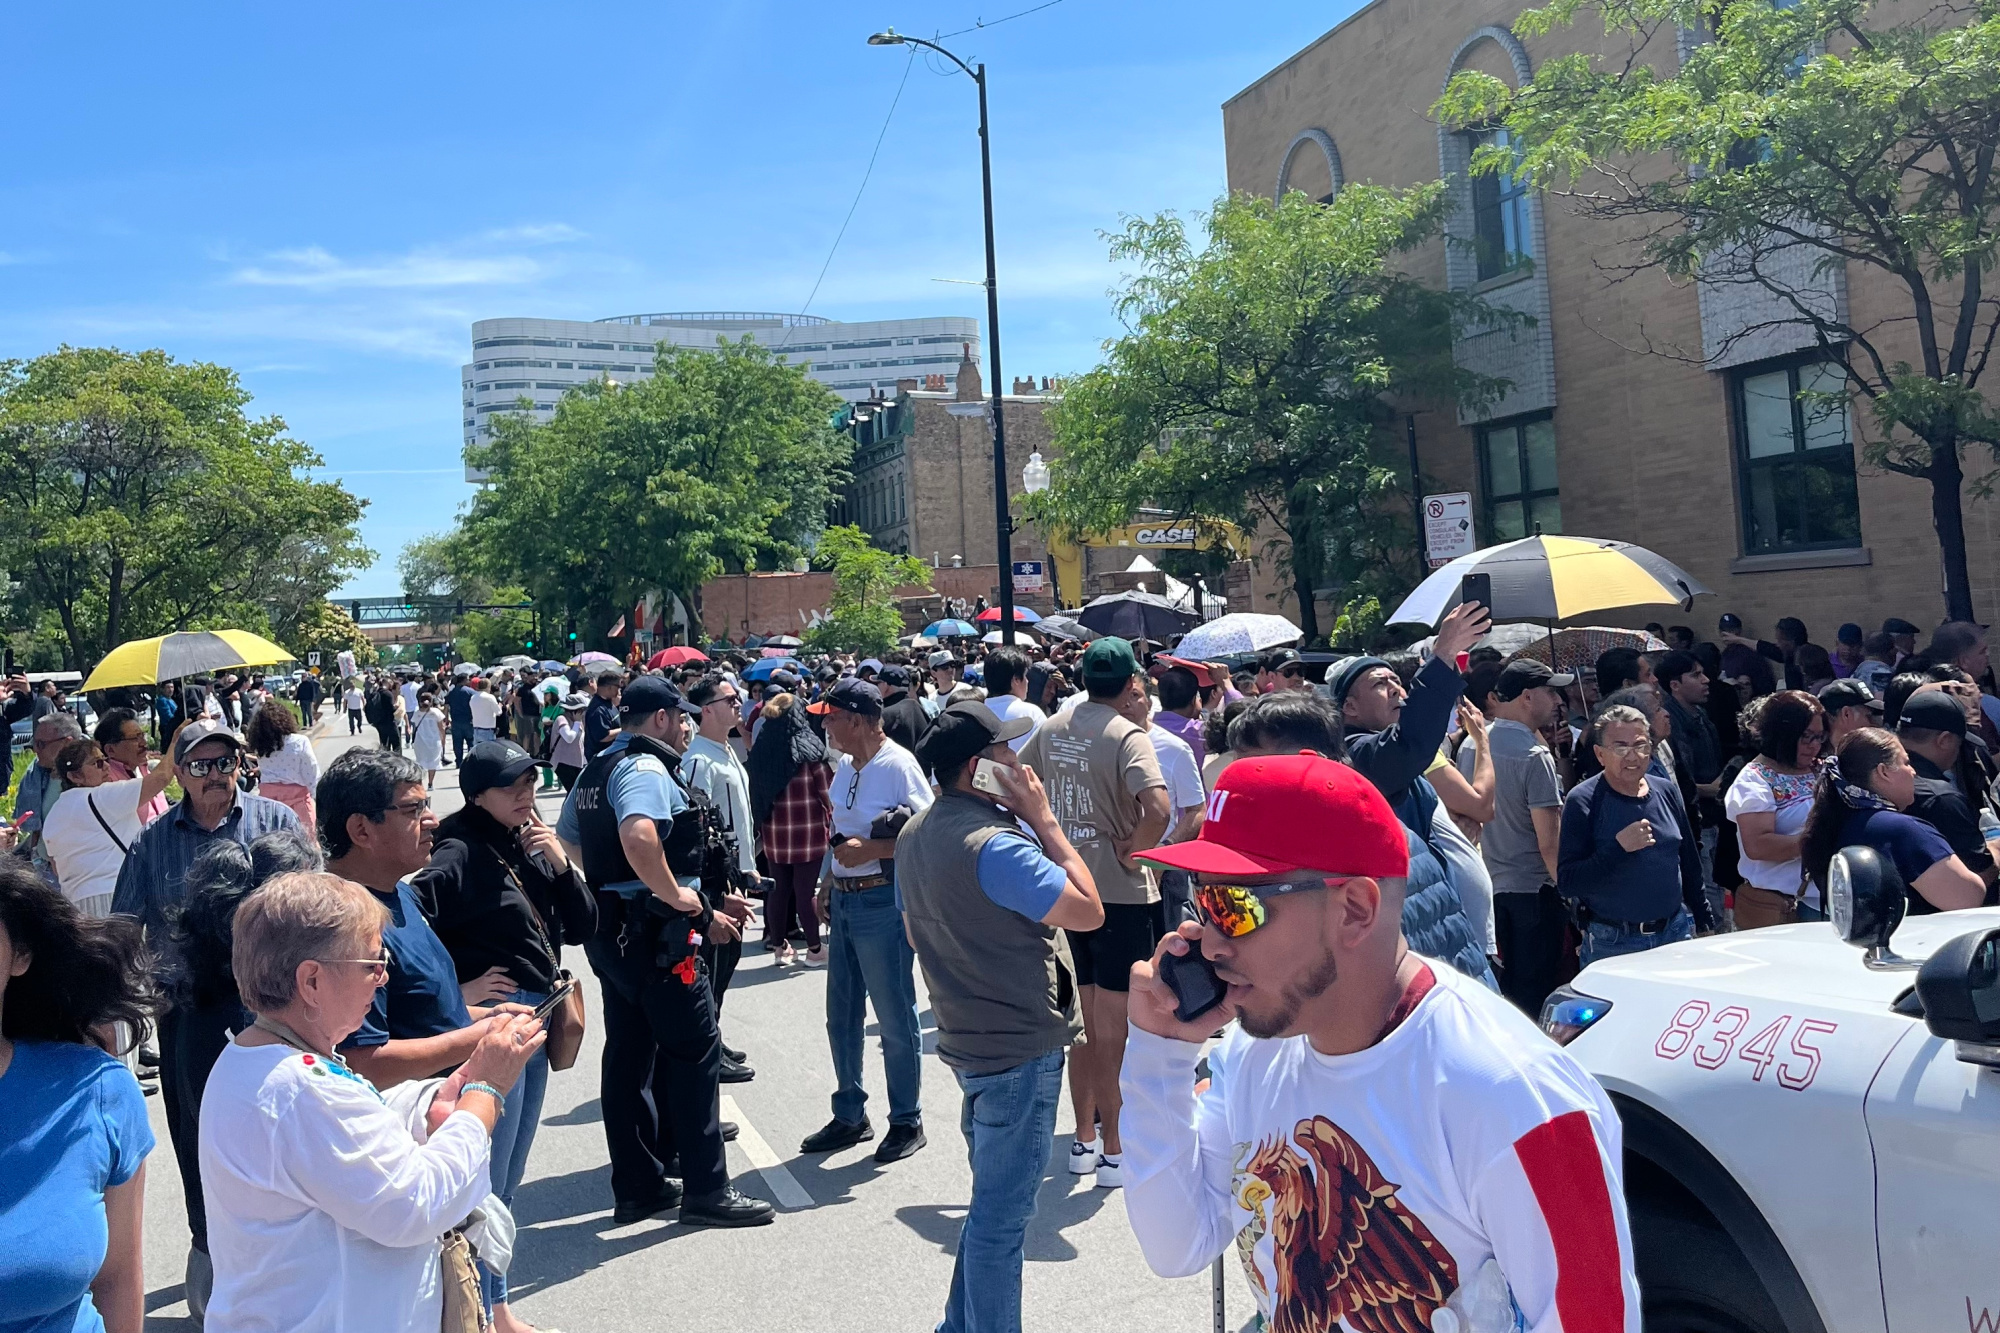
point(540, 359)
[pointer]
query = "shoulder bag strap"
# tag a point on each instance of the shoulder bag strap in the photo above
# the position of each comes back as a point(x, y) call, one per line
point(91, 801)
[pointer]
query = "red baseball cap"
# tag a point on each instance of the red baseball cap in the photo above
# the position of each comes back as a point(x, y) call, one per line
point(1293, 812)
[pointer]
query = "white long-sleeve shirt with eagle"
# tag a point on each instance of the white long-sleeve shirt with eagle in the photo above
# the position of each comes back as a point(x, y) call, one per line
point(1459, 1176)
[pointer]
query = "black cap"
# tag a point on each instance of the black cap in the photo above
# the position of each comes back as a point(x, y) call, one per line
point(896, 675)
point(850, 694)
point(1524, 674)
point(1896, 625)
point(491, 764)
point(963, 730)
point(649, 694)
point(1932, 710)
point(1280, 658)
point(1840, 694)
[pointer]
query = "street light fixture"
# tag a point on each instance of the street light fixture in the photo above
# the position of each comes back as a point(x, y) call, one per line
point(1002, 524)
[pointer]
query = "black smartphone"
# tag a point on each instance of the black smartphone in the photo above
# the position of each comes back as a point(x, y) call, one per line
point(556, 997)
point(1476, 588)
point(1192, 979)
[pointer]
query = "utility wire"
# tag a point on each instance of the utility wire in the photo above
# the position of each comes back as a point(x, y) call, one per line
point(978, 24)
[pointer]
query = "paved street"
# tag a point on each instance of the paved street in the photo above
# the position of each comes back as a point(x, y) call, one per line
point(855, 1246)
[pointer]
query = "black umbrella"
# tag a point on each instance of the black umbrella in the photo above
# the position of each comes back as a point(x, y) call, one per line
point(1137, 615)
point(1065, 627)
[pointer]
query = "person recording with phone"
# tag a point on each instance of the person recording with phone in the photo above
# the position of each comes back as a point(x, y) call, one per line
point(985, 906)
point(503, 898)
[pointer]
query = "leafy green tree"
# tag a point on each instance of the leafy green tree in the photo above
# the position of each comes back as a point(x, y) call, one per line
point(1794, 140)
point(441, 565)
point(1257, 377)
point(487, 636)
point(863, 616)
point(325, 628)
point(723, 460)
point(141, 498)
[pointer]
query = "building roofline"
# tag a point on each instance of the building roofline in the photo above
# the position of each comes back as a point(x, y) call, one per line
point(1299, 54)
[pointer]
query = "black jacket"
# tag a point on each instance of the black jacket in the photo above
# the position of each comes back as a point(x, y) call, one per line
point(483, 897)
point(905, 722)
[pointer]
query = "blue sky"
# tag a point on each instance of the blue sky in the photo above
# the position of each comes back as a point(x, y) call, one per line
point(327, 199)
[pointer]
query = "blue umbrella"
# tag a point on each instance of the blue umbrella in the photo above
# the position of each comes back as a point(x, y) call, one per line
point(761, 669)
point(951, 629)
point(550, 666)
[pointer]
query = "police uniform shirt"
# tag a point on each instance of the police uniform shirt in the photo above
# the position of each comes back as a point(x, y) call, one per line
point(640, 787)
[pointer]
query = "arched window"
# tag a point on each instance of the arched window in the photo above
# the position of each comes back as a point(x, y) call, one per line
point(1323, 141)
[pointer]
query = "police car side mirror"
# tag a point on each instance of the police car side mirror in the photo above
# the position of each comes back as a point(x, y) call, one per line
point(1866, 901)
point(1960, 988)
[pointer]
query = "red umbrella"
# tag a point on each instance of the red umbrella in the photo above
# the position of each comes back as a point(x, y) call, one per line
point(678, 655)
point(1022, 616)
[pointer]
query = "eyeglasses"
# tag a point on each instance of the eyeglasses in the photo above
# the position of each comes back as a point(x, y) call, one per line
point(412, 809)
point(1631, 749)
point(224, 764)
point(1292, 673)
point(1812, 738)
point(379, 966)
point(1238, 909)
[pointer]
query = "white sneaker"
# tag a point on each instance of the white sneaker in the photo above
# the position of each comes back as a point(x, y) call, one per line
point(1083, 1157)
point(1110, 1171)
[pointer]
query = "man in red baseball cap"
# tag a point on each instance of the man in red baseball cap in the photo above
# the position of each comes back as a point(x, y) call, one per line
point(1381, 1130)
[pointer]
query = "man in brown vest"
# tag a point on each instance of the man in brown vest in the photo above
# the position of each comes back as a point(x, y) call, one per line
point(982, 902)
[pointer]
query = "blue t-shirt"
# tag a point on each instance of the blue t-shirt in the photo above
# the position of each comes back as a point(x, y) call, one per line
point(1016, 874)
point(641, 787)
point(422, 998)
point(72, 1125)
point(1912, 844)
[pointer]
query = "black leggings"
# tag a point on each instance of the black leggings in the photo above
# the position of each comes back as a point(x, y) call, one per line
point(792, 891)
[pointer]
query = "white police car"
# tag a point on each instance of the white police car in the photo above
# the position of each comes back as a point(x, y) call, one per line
point(1812, 1121)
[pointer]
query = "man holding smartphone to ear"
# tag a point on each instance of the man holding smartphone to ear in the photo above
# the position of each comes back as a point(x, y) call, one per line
point(985, 906)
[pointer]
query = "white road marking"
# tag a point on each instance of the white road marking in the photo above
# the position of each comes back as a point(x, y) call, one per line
point(782, 1182)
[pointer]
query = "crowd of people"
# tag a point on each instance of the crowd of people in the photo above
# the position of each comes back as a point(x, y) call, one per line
point(352, 1008)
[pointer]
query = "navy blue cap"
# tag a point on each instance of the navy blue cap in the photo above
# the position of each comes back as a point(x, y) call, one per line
point(649, 694)
point(850, 694)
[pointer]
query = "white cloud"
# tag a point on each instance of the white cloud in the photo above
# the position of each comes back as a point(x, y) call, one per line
point(316, 269)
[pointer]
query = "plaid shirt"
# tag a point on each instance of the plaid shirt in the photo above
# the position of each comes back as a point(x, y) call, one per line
point(801, 822)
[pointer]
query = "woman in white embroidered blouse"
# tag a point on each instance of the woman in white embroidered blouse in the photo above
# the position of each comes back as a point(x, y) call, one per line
point(287, 769)
point(327, 1200)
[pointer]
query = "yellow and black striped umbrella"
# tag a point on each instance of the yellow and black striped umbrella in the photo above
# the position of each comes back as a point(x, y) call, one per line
point(191, 653)
point(1548, 579)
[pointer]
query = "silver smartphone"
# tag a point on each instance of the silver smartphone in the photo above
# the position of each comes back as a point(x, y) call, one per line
point(986, 777)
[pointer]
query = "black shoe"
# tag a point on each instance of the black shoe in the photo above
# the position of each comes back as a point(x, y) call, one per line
point(838, 1134)
point(731, 1053)
point(727, 1207)
point(735, 1071)
point(150, 1058)
point(900, 1142)
point(629, 1211)
point(730, 1130)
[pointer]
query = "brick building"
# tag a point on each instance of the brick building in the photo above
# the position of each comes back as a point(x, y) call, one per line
point(923, 467)
point(1701, 448)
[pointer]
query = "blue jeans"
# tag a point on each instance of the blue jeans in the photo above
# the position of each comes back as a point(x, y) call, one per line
point(872, 958)
point(512, 1138)
point(1008, 1121)
point(1604, 940)
point(481, 735)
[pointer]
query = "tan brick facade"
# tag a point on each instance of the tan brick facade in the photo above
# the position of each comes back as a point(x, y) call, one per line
point(1645, 443)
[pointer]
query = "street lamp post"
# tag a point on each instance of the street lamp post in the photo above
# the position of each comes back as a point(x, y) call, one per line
point(1002, 523)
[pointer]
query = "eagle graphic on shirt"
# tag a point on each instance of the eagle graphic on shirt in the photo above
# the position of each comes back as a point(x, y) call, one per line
point(1343, 1246)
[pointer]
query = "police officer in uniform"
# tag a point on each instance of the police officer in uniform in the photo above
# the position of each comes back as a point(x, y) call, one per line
point(641, 837)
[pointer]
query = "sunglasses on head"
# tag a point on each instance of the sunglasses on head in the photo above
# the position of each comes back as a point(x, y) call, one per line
point(1238, 909)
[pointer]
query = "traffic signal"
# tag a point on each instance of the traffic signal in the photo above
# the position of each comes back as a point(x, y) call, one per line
point(572, 631)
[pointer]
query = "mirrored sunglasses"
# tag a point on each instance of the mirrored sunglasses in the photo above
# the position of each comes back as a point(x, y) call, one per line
point(1238, 909)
